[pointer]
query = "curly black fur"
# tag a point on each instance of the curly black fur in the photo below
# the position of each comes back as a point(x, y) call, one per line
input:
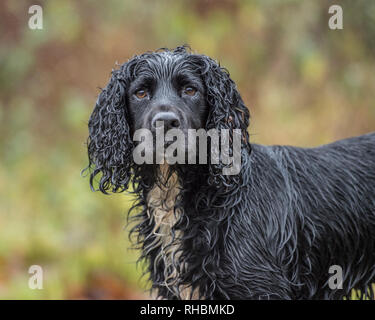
point(271, 232)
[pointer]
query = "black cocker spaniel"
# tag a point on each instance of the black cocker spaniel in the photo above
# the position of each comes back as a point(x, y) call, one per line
point(272, 231)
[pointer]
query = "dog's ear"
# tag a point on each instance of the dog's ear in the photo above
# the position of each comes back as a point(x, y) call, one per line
point(226, 111)
point(109, 144)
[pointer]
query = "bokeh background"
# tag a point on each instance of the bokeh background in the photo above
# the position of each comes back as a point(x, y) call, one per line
point(304, 84)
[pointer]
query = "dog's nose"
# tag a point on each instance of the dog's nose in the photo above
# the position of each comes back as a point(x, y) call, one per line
point(168, 119)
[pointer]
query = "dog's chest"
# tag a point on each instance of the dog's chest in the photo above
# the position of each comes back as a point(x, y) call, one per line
point(162, 212)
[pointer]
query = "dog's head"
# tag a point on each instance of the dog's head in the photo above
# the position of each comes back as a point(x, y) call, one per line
point(175, 88)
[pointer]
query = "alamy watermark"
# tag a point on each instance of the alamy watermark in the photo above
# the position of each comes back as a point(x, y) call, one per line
point(335, 281)
point(182, 148)
point(36, 278)
point(36, 18)
point(336, 21)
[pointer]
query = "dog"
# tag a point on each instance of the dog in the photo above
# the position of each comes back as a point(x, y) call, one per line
point(272, 231)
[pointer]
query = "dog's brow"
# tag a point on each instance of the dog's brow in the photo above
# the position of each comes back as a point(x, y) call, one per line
point(182, 77)
point(188, 78)
point(143, 80)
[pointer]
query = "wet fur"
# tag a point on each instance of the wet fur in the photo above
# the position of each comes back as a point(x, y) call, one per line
point(271, 232)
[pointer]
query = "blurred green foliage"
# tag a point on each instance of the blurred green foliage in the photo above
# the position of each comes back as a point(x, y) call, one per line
point(304, 84)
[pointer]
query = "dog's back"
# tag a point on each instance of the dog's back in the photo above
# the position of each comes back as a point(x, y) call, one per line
point(309, 209)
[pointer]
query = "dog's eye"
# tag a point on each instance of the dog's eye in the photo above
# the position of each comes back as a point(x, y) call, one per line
point(141, 94)
point(190, 91)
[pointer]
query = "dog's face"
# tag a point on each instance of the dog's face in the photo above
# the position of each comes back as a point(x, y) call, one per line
point(167, 89)
point(177, 88)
